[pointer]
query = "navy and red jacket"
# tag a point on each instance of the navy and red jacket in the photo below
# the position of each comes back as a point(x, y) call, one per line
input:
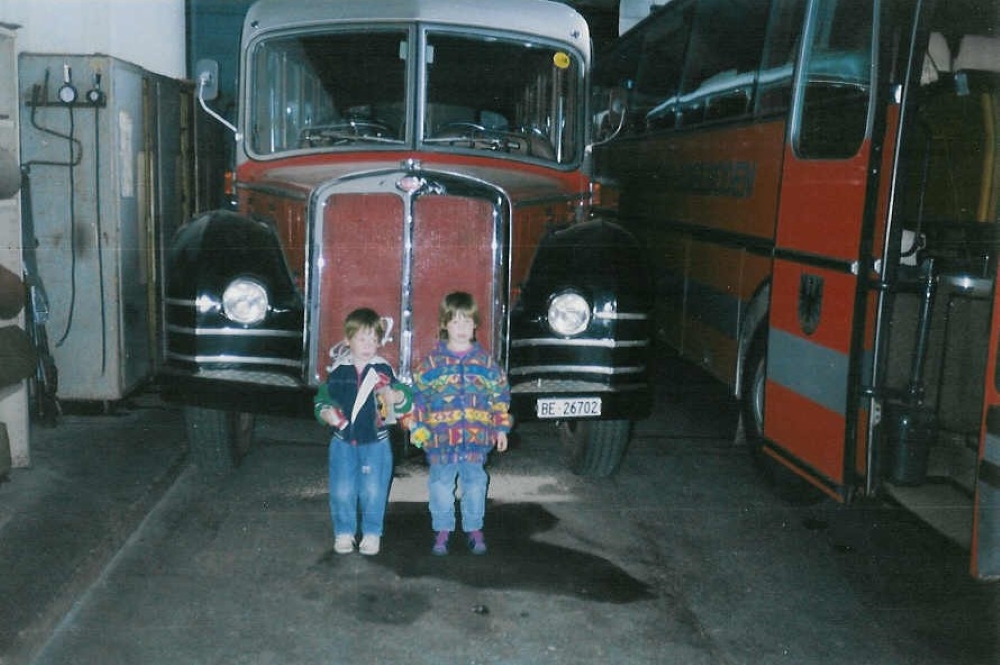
point(364, 422)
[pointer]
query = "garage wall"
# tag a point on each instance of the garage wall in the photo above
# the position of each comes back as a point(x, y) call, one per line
point(148, 33)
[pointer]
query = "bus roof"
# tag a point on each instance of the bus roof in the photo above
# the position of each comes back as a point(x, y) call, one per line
point(545, 18)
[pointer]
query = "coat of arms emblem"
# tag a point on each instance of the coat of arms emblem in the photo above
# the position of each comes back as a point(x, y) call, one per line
point(810, 302)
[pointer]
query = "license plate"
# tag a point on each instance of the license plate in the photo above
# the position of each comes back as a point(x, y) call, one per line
point(568, 407)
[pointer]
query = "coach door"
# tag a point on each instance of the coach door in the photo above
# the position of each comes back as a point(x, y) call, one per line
point(817, 309)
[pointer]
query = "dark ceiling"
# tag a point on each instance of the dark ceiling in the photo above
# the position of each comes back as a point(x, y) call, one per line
point(602, 15)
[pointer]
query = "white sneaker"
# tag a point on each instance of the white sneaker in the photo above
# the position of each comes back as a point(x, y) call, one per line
point(369, 544)
point(343, 544)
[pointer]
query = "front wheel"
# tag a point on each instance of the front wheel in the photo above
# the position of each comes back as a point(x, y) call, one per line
point(594, 447)
point(218, 440)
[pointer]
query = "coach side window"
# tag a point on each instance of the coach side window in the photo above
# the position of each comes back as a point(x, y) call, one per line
point(661, 63)
point(722, 60)
point(784, 32)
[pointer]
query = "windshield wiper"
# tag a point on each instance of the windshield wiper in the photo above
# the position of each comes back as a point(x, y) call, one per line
point(349, 131)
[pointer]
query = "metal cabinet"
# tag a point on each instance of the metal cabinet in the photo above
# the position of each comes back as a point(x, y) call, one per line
point(105, 147)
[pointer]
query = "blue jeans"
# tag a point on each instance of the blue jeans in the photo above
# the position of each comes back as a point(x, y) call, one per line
point(441, 486)
point(359, 477)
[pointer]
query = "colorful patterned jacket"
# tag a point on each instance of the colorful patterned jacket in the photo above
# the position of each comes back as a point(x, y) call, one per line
point(461, 402)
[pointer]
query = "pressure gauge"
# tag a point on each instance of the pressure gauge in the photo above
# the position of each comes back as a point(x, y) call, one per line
point(67, 94)
point(95, 96)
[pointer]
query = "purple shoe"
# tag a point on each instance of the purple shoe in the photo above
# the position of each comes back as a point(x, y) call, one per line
point(441, 543)
point(477, 543)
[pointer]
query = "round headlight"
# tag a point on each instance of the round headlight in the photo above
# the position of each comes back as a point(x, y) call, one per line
point(569, 314)
point(245, 301)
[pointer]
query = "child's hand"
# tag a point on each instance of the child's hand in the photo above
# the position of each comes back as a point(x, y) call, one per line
point(420, 435)
point(501, 441)
point(382, 381)
point(333, 417)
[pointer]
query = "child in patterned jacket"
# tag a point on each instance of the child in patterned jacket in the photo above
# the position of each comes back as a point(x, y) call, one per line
point(461, 399)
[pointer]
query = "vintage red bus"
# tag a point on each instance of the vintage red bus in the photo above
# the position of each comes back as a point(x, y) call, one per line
point(387, 153)
point(818, 183)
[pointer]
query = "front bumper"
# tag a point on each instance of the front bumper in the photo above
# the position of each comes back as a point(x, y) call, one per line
point(229, 392)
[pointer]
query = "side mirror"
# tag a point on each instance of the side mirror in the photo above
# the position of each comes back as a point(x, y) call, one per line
point(610, 121)
point(207, 78)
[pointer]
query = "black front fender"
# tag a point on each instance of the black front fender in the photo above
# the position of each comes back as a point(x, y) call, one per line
point(217, 246)
point(206, 350)
point(599, 258)
point(603, 262)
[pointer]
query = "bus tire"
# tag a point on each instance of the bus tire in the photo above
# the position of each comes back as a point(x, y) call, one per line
point(785, 483)
point(752, 398)
point(218, 440)
point(594, 448)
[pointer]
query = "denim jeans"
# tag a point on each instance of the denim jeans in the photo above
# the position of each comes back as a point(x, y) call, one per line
point(359, 478)
point(441, 486)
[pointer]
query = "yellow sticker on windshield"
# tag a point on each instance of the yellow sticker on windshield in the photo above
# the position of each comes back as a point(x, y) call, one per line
point(561, 60)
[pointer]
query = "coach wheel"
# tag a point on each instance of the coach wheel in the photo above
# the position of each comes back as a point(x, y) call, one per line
point(218, 440)
point(752, 397)
point(594, 447)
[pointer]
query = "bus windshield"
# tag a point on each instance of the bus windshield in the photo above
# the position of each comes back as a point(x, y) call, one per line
point(328, 90)
point(348, 90)
point(513, 97)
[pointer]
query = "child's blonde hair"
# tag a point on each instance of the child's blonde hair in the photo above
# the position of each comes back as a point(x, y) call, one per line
point(364, 318)
point(455, 303)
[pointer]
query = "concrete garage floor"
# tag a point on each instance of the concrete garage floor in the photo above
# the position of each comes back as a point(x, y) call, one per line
point(685, 557)
point(93, 478)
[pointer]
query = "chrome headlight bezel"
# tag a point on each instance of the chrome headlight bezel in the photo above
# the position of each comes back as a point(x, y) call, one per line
point(569, 313)
point(245, 301)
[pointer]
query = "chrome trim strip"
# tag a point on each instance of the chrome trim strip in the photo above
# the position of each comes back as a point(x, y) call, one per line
point(600, 343)
point(179, 302)
point(406, 289)
point(620, 316)
point(284, 362)
point(567, 387)
point(577, 369)
point(231, 332)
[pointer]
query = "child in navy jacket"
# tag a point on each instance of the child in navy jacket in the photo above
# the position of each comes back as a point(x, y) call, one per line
point(360, 454)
